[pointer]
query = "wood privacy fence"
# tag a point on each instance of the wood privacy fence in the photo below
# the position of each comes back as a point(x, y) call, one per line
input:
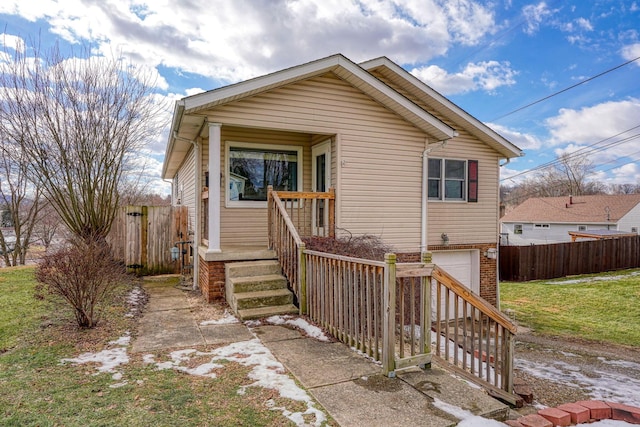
point(538, 262)
point(142, 237)
point(393, 312)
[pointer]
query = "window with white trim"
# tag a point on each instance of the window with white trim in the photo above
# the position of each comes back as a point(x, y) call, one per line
point(251, 168)
point(541, 225)
point(582, 228)
point(517, 229)
point(453, 180)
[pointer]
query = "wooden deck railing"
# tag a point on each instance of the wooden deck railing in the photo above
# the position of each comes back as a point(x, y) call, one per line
point(393, 312)
point(312, 213)
point(472, 336)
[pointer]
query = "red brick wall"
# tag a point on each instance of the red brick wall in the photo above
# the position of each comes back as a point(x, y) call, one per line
point(488, 267)
point(211, 279)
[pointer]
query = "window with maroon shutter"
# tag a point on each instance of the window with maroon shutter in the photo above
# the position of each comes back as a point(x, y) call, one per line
point(472, 166)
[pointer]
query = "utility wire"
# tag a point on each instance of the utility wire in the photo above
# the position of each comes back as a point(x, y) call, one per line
point(581, 152)
point(565, 89)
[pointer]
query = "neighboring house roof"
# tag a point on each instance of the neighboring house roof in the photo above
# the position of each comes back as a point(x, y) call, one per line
point(188, 117)
point(575, 210)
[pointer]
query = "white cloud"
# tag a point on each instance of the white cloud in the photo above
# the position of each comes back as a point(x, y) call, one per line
point(12, 42)
point(631, 51)
point(524, 141)
point(534, 15)
point(485, 75)
point(584, 24)
point(591, 124)
point(238, 39)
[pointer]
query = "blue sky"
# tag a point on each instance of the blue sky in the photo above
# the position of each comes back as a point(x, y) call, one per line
point(489, 57)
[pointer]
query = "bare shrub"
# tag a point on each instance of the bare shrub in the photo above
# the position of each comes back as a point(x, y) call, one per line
point(84, 274)
point(365, 246)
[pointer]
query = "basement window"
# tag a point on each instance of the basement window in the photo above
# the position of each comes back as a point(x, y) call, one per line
point(251, 168)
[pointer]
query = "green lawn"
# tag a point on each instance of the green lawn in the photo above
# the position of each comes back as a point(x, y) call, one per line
point(603, 307)
point(36, 389)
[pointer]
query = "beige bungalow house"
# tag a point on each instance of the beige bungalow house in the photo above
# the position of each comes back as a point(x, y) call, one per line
point(406, 165)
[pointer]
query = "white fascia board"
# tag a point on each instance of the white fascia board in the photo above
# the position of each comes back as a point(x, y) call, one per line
point(419, 84)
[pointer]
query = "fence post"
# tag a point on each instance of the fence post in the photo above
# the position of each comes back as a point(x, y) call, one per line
point(270, 215)
point(389, 326)
point(302, 278)
point(425, 333)
point(332, 213)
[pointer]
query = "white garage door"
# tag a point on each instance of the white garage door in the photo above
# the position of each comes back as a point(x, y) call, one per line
point(463, 265)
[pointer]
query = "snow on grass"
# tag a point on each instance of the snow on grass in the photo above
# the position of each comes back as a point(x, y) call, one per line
point(593, 279)
point(300, 323)
point(107, 360)
point(226, 319)
point(266, 372)
point(608, 386)
point(135, 299)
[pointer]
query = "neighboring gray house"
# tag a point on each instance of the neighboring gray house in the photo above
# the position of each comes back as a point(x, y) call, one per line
point(543, 220)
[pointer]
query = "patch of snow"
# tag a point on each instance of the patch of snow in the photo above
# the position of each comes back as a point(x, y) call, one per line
point(266, 372)
point(592, 279)
point(298, 322)
point(107, 360)
point(606, 386)
point(622, 363)
point(133, 299)
point(366, 356)
point(454, 410)
point(226, 319)
point(477, 421)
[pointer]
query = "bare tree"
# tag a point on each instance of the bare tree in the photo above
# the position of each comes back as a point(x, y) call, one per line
point(79, 122)
point(22, 202)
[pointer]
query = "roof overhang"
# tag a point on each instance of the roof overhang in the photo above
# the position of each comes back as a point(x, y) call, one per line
point(189, 113)
point(431, 97)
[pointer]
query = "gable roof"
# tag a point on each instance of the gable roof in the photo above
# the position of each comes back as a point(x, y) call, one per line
point(435, 101)
point(188, 120)
point(599, 209)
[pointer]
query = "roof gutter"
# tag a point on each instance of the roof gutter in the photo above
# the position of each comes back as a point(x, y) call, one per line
point(178, 113)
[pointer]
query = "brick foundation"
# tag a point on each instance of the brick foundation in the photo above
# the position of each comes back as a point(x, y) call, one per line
point(211, 279)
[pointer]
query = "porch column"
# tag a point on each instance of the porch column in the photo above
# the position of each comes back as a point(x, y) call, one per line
point(214, 187)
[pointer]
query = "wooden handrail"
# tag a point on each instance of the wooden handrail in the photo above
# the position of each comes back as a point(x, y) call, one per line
point(290, 227)
point(450, 282)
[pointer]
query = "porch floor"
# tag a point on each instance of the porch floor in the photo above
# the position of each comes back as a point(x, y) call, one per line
point(237, 253)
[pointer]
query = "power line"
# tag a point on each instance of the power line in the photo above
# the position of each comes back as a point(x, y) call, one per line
point(581, 151)
point(566, 89)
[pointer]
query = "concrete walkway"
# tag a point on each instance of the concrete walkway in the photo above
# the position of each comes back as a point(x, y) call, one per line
point(350, 388)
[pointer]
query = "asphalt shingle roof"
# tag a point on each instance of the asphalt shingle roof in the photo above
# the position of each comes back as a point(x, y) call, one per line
point(576, 209)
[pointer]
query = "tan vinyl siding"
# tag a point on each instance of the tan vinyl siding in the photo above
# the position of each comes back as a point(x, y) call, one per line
point(376, 164)
point(467, 223)
point(187, 186)
point(378, 154)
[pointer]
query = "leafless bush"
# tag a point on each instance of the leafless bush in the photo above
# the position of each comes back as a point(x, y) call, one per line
point(365, 246)
point(84, 274)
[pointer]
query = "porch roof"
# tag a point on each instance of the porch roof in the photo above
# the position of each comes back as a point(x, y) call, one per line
point(188, 120)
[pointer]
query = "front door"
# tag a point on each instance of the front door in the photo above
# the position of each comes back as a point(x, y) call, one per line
point(321, 181)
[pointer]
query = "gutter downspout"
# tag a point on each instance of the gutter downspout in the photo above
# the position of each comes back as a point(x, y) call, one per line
point(425, 190)
point(198, 190)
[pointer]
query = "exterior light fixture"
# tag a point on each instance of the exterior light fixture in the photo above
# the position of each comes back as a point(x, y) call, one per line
point(491, 253)
point(175, 253)
point(445, 239)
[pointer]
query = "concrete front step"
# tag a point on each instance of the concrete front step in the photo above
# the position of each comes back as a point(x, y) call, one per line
point(252, 268)
point(272, 297)
point(257, 283)
point(260, 312)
